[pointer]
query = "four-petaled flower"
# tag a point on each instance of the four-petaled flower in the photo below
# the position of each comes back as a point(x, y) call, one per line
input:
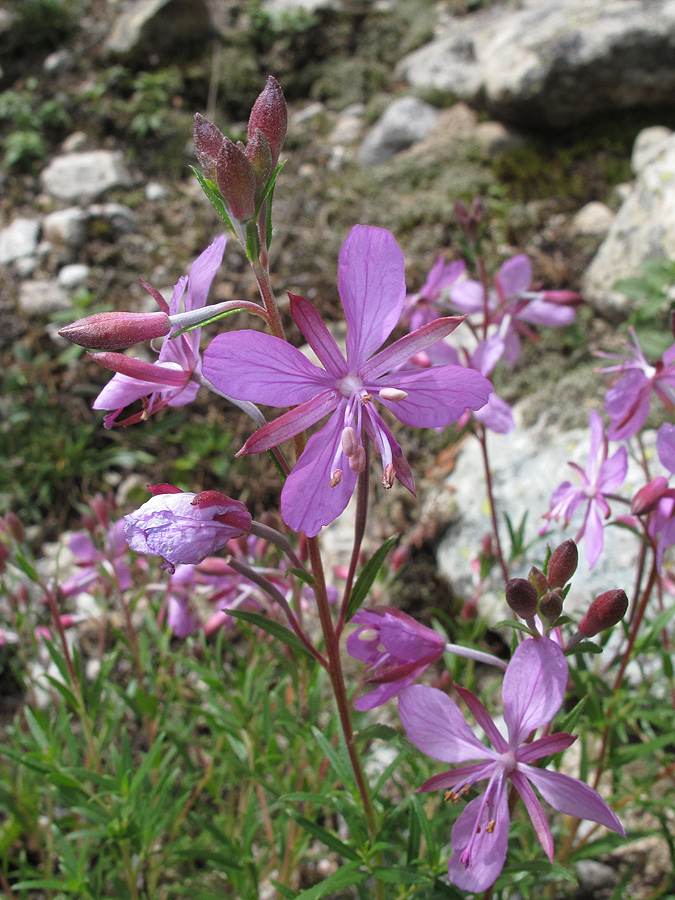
point(602, 476)
point(532, 692)
point(247, 365)
point(168, 381)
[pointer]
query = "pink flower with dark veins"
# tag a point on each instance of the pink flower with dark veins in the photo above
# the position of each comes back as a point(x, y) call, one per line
point(248, 365)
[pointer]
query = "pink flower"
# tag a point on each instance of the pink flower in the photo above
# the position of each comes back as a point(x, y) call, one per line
point(92, 562)
point(168, 381)
point(184, 527)
point(532, 691)
point(602, 476)
point(395, 648)
point(251, 366)
point(423, 307)
point(627, 402)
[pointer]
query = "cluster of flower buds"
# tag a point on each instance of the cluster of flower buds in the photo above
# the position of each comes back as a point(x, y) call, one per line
point(242, 173)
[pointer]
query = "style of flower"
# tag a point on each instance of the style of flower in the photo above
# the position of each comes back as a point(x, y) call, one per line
point(601, 477)
point(395, 648)
point(423, 307)
point(247, 365)
point(627, 402)
point(168, 381)
point(184, 527)
point(512, 305)
point(532, 691)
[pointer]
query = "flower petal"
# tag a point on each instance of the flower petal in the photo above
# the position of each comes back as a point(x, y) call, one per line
point(552, 743)
point(436, 396)
point(515, 275)
point(574, 798)
point(484, 719)
point(665, 445)
point(461, 775)
point(291, 423)
point(371, 281)
point(488, 847)
point(533, 687)
point(436, 726)
point(402, 350)
point(249, 365)
point(535, 812)
point(319, 338)
point(202, 273)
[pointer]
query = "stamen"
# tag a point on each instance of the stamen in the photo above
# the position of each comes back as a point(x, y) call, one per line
point(335, 478)
point(388, 476)
point(393, 394)
point(357, 462)
point(350, 441)
point(491, 825)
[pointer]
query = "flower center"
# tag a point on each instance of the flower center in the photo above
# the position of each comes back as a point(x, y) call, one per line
point(350, 385)
point(508, 761)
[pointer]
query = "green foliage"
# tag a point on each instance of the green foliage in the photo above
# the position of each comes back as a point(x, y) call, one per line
point(31, 124)
point(652, 300)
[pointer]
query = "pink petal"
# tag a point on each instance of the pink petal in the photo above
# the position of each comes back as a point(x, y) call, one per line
point(371, 282)
point(291, 423)
point(613, 472)
point(462, 775)
point(468, 296)
point(594, 537)
point(484, 719)
point(122, 390)
point(533, 687)
point(515, 275)
point(435, 725)
point(572, 797)
point(436, 396)
point(535, 812)
point(554, 315)
point(496, 415)
point(249, 365)
point(665, 445)
point(488, 853)
point(402, 350)
point(319, 338)
point(202, 273)
point(308, 502)
point(546, 746)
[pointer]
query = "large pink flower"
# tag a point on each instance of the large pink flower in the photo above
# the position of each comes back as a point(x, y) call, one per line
point(532, 691)
point(247, 365)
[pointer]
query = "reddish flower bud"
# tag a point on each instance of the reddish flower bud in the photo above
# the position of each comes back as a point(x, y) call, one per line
point(116, 330)
point(236, 180)
point(648, 497)
point(563, 298)
point(14, 526)
point(208, 141)
point(551, 606)
point(270, 115)
point(522, 597)
point(539, 580)
point(4, 556)
point(605, 611)
point(462, 214)
point(259, 154)
point(562, 564)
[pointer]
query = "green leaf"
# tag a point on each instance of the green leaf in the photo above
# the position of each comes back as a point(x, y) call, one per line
point(274, 628)
point(367, 576)
point(214, 196)
point(518, 626)
point(338, 762)
point(326, 837)
point(400, 875)
point(346, 876)
point(584, 647)
point(253, 247)
point(303, 575)
point(20, 560)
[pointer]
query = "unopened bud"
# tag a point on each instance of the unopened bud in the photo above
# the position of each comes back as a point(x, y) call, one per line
point(539, 580)
point(604, 612)
point(14, 526)
point(4, 556)
point(259, 154)
point(522, 597)
point(648, 497)
point(562, 564)
point(550, 606)
point(208, 141)
point(563, 298)
point(116, 330)
point(270, 115)
point(236, 180)
point(462, 214)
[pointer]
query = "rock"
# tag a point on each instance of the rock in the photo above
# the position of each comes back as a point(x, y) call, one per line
point(120, 218)
point(404, 122)
point(59, 61)
point(595, 876)
point(553, 62)
point(73, 276)
point(279, 7)
point(81, 177)
point(160, 29)
point(74, 142)
point(644, 227)
point(349, 126)
point(649, 145)
point(155, 191)
point(458, 123)
point(67, 227)
point(593, 218)
point(42, 298)
point(494, 138)
point(19, 240)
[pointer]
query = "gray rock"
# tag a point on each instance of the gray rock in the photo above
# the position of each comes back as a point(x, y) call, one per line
point(42, 298)
point(74, 142)
point(59, 61)
point(349, 126)
point(553, 62)
point(494, 138)
point(73, 276)
point(160, 29)
point(595, 876)
point(279, 7)
point(593, 218)
point(66, 227)
point(81, 177)
point(404, 122)
point(120, 218)
point(644, 227)
point(19, 240)
point(649, 145)
point(155, 191)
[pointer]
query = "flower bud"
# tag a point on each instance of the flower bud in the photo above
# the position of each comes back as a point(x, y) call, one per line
point(539, 580)
point(522, 597)
point(259, 154)
point(116, 330)
point(208, 141)
point(649, 496)
point(562, 564)
point(550, 606)
point(563, 298)
point(4, 556)
point(270, 115)
point(236, 180)
point(604, 612)
point(14, 526)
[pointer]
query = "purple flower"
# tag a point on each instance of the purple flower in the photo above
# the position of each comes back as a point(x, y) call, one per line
point(251, 366)
point(184, 527)
point(112, 560)
point(627, 402)
point(168, 381)
point(601, 477)
point(422, 307)
point(395, 648)
point(512, 303)
point(532, 691)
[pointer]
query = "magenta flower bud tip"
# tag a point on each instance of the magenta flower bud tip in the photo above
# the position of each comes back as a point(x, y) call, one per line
point(208, 141)
point(14, 526)
point(563, 298)
point(522, 597)
point(551, 606)
point(259, 154)
point(236, 180)
point(270, 115)
point(4, 556)
point(605, 611)
point(116, 330)
point(538, 579)
point(649, 496)
point(562, 564)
